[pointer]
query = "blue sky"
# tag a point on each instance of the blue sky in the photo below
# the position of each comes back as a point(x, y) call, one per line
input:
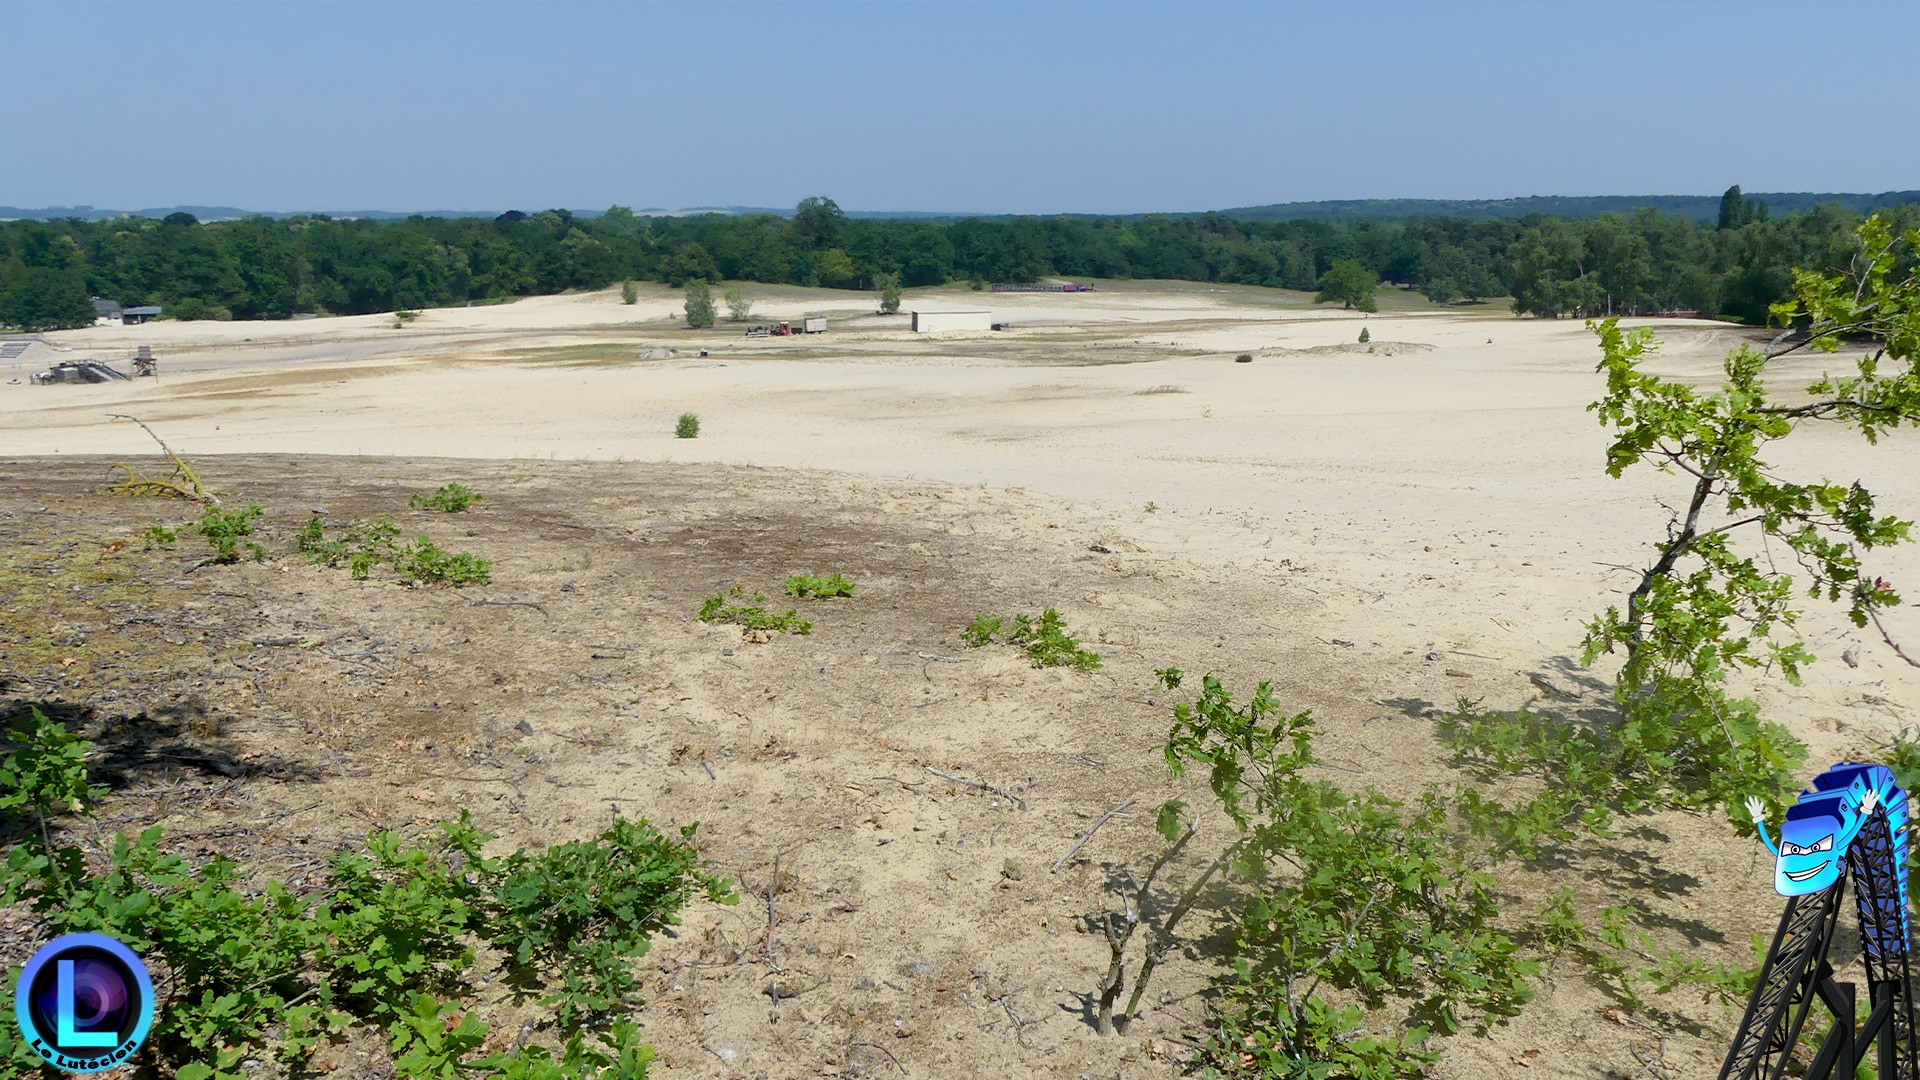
point(1008, 108)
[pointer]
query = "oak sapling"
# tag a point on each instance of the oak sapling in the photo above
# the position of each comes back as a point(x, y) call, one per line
point(227, 531)
point(735, 606)
point(379, 943)
point(451, 498)
point(1712, 601)
point(819, 587)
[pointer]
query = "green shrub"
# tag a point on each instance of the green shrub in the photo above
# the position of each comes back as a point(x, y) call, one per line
point(424, 563)
point(819, 587)
point(688, 427)
point(629, 293)
point(1243, 358)
point(226, 532)
point(1356, 908)
point(160, 536)
point(387, 942)
point(748, 615)
point(1045, 640)
point(984, 630)
point(450, 499)
point(1364, 336)
point(368, 544)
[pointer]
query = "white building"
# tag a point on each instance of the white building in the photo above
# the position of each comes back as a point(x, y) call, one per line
point(932, 322)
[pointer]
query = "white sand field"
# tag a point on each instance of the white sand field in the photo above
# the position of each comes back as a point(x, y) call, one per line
point(1442, 487)
point(1404, 522)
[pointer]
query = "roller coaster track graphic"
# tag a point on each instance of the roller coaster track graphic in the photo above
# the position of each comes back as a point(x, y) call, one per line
point(1797, 970)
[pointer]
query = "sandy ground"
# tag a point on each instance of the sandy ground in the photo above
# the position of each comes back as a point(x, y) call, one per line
point(1329, 515)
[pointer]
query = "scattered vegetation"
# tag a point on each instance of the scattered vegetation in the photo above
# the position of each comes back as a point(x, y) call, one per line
point(403, 318)
point(819, 587)
point(160, 536)
point(364, 545)
point(386, 942)
point(424, 563)
point(450, 498)
point(688, 426)
point(734, 606)
point(227, 531)
point(1045, 640)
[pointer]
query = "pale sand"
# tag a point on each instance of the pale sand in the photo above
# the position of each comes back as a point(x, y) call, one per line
point(1445, 491)
point(1441, 495)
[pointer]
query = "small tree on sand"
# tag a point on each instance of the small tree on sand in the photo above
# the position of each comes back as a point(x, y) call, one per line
point(699, 304)
point(888, 286)
point(629, 293)
point(739, 305)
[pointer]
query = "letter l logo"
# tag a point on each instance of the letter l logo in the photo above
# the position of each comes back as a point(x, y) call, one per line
point(67, 1036)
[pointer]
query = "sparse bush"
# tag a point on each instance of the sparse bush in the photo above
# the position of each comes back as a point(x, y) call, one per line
point(983, 631)
point(819, 587)
point(450, 499)
point(629, 293)
point(688, 427)
point(1354, 903)
point(749, 615)
point(739, 305)
point(1365, 336)
point(888, 287)
point(367, 544)
point(160, 536)
point(403, 318)
point(424, 563)
point(226, 532)
point(257, 970)
point(1045, 640)
point(1243, 358)
point(699, 304)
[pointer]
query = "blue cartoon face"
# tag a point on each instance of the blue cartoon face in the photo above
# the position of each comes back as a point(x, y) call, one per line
point(1810, 852)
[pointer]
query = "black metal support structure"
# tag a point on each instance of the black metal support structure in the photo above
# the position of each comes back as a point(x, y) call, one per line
point(1796, 972)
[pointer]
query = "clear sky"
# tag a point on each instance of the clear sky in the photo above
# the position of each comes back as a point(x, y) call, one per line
point(1003, 108)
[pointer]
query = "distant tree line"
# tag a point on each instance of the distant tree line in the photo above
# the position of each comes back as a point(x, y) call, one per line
point(260, 268)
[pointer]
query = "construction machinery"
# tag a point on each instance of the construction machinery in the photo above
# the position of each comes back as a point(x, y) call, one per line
point(77, 371)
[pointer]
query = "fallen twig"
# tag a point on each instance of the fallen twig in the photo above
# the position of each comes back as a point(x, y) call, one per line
point(507, 603)
point(1088, 835)
point(1888, 638)
point(1003, 792)
point(187, 486)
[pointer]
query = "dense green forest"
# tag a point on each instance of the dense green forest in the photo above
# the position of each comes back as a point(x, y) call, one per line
point(261, 268)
